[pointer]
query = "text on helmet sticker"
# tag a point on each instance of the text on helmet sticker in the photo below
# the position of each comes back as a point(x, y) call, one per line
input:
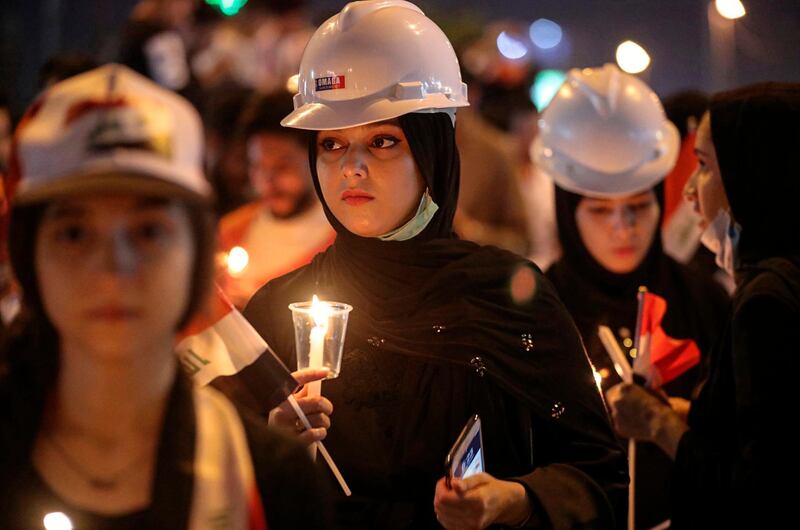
point(331, 82)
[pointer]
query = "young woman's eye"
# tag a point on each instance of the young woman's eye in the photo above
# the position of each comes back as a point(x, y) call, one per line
point(384, 142)
point(599, 210)
point(152, 232)
point(72, 234)
point(329, 144)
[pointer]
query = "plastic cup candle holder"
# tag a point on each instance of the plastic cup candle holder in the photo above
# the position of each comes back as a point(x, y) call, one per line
point(319, 333)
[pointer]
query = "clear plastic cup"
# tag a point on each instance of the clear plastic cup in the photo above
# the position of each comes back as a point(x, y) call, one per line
point(319, 333)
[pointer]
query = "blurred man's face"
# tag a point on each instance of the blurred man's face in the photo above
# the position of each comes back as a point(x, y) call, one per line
point(279, 173)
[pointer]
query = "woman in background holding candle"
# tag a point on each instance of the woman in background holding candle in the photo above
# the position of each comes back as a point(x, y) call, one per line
point(112, 240)
point(441, 328)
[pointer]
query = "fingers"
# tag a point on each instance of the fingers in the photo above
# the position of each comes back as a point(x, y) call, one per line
point(308, 437)
point(308, 375)
point(462, 507)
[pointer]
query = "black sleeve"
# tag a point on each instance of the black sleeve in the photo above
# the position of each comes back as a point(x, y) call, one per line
point(582, 482)
point(292, 493)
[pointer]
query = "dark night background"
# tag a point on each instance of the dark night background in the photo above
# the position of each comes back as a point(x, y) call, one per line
point(765, 44)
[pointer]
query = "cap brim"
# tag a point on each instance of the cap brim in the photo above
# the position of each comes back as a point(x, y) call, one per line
point(113, 183)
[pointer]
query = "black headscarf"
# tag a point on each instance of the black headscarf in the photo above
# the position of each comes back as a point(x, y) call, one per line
point(594, 295)
point(578, 263)
point(448, 301)
point(756, 134)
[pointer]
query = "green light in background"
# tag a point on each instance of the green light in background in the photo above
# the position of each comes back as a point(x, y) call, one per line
point(227, 7)
point(545, 86)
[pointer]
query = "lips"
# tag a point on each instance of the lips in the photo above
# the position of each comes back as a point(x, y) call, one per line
point(624, 251)
point(356, 197)
point(113, 313)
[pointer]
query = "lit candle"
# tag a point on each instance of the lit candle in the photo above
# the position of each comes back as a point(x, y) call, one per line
point(320, 312)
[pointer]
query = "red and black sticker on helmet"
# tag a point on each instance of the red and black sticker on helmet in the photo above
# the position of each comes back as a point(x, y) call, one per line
point(331, 82)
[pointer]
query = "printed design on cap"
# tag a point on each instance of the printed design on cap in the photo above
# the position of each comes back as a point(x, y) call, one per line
point(330, 82)
point(120, 126)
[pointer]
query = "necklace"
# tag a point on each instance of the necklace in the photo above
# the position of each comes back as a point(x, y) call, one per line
point(107, 483)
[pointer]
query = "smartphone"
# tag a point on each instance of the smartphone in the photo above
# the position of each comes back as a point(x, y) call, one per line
point(466, 457)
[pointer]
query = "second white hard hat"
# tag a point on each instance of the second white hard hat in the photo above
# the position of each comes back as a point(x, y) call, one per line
point(605, 134)
point(373, 61)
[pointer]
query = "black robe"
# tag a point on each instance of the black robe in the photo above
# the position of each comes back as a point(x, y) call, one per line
point(736, 465)
point(435, 336)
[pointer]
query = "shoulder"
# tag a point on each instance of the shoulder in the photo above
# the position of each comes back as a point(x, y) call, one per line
point(778, 279)
point(233, 225)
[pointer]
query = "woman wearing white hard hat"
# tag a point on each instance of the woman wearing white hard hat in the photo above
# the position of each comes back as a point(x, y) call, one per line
point(112, 241)
point(441, 328)
point(607, 145)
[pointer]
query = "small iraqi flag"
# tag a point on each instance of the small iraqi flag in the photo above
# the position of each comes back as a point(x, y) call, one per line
point(660, 358)
point(220, 345)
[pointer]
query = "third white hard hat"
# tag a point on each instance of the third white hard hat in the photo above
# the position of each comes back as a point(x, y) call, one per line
point(605, 134)
point(373, 61)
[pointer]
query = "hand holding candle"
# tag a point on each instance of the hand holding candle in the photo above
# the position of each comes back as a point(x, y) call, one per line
point(319, 330)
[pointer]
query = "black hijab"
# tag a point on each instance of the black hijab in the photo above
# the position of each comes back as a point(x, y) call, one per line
point(441, 298)
point(594, 295)
point(579, 264)
point(756, 134)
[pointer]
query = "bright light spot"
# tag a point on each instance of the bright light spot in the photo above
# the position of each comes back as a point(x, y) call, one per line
point(510, 47)
point(293, 83)
point(57, 521)
point(227, 7)
point(598, 379)
point(545, 33)
point(632, 58)
point(320, 312)
point(545, 86)
point(237, 260)
point(730, 9)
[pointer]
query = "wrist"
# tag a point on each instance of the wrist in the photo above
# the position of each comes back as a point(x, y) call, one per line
point(517, 510)
point(668, 430)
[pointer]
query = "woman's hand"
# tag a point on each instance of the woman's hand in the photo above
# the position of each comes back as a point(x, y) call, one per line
point(479, 501)
point(640, 415)
point(318, 410)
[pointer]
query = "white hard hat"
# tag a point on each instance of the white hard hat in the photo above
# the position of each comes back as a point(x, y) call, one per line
point(605, 134)
point(373, 61)
point(109, 129)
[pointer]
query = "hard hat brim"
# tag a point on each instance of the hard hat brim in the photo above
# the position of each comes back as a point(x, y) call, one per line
point(353, 113)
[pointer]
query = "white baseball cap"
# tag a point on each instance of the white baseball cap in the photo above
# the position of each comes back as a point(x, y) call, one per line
point(106, 130)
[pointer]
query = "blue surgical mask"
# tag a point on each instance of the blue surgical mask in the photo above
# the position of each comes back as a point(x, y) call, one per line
point(417, 224)
point(722, 237)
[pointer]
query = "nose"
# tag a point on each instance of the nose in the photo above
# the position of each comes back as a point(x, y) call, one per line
point(623, 220)
point(353, 163)
point(118, 254)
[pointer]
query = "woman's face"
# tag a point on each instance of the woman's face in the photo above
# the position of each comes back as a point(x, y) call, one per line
point(618, 232)
point(704, 188)
point(115, 272)
point(368, 177)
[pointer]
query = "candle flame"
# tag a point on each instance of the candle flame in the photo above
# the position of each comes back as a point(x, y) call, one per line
point(320, 312)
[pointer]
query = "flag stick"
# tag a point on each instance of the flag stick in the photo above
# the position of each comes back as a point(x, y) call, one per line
point(322, 450)
point(631, 441)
